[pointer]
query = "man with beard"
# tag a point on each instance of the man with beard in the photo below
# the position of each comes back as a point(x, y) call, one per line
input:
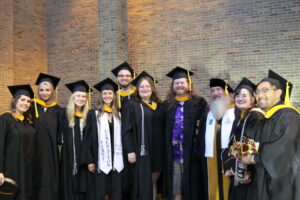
point(181, 111)
point(126, 91)
point(277, 165)
point(215, 133)
point(124, 74)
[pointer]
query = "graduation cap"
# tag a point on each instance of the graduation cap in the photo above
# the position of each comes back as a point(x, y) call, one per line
point(280, 83)
point(216, 82)
point(122, 66)
point(106, 84)
point(17, 90)
point(45, 77)
point(8, 190)
point(78, 86)
point(179, 72)
point(142, 75)
point(246, 83)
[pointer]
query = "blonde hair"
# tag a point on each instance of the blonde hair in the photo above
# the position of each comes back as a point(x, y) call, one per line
point(114, 105)
point(71, 111)
point(53, 95)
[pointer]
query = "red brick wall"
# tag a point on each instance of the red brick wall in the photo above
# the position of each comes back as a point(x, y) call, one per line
point(73, 42)
point(23, 51)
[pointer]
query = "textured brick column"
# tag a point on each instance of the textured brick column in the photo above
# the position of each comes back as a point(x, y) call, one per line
point(112, 35)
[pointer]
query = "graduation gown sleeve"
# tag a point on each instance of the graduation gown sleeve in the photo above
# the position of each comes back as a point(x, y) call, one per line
point(128, 128)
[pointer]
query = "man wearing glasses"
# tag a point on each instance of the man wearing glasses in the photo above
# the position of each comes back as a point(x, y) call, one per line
point(124, 74)
point(277, 165)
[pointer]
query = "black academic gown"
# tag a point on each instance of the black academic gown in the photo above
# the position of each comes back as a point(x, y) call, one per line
point(140, 173)
point(252, 125)
point(17, 148)
point(104, 184)
point(193, 111)
point(48, 127)
point(277, 174)
point(75, 186)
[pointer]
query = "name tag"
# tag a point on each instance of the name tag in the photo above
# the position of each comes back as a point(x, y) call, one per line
point(210, 122)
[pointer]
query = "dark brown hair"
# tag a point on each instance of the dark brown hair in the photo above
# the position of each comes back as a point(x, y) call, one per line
point(27, 114)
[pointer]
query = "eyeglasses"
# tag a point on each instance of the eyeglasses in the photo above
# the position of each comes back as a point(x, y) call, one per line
point(263, 91)
point(124, 75)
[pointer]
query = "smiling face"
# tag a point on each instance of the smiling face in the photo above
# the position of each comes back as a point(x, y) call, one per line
point(45, 91)
point(180, 87)
point(80, 99)
point(124, 78)
point(107, 96)
point(22, 104)
point(244, 100)
point(267, 95)
point(145, 90)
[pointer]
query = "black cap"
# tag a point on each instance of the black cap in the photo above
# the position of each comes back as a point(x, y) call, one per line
point(122, 66)
point(45, 77)
point(106, 84)
point(216, 82)
point(78, 86)
point(8, 190)
point(17, 90)
point(142, 75)
point(246, 83)
point(278, 81)
point(179, 72)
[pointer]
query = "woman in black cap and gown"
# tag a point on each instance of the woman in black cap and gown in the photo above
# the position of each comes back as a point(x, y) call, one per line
point(105, 150)
point(17, 144)
point(46, 121)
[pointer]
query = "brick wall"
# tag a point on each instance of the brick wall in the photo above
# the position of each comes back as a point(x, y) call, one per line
point(23, 44)
point(73, 42)
point(227, 39)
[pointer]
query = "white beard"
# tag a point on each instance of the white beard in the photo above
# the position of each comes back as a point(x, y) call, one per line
point(219, 106)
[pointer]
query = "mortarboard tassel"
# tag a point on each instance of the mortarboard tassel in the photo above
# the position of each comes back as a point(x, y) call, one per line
point(226, 89)
point(190, 80)
point(90, 99)
point(56, 94)
point(287, 94)
point(154, 82)
point(119, 97)
point(35, 108)
point(134, 74)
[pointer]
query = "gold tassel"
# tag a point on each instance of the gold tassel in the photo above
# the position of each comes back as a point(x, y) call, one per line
point(90, 99)
point(226, 89)
point(35, 108)
point(134, 74)
point(119, 97)
point(56, 94)
point(287, 94)
point(190, 80)
point(154, 82)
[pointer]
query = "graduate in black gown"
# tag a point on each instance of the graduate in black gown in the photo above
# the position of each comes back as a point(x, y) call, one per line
point(142, 133)
point(75, 177)
point(105, 150)
point(125, 75)
point(46, 121)
point(276, 165)
point(248, 123)
point(17, 143)
point(182, 109)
